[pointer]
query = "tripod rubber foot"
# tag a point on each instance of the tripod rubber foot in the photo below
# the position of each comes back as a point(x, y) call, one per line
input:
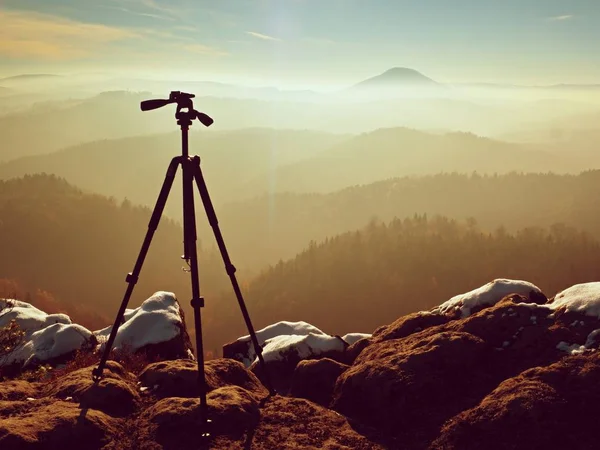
point(205, 429)
point(96, 374)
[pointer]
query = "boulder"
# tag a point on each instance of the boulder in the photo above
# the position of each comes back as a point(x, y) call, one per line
point(408, 387)
point(407, 325)
point(14, 390)
point(463, 305)
point(408, 381)
point(175, 422)
point(179, 378)
point(53, 424)
point(282, 353)
point(315, 379)
point(115, 394)
point(47, 338)
point(156, 328)
point(300, 424)
point(242, 349)
point(544, 407)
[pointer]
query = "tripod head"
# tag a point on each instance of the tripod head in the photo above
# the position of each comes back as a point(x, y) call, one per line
point(184, 102)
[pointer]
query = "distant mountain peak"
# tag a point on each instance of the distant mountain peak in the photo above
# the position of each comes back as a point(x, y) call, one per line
point(398, 77)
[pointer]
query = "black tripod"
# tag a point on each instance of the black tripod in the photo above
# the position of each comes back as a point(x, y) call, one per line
point(191, 172)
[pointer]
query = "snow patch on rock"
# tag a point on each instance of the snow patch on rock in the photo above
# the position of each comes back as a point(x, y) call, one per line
point(156, 320)
point(48, 343)
point(47, 336)
point(27, 316)
point(351, 338)
point(486, 295)
point(582, 298)
point(281, 347)
point(243, 350)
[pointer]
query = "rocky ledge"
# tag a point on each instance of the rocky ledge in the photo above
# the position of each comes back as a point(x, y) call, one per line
point(499, 367)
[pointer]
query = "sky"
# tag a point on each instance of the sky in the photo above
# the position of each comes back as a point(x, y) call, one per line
point(305, 42)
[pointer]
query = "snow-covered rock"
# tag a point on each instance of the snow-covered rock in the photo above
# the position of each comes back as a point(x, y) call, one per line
point(242, 349)
point(299, 347)
point(158, 321)
point(157, 326)
point(47, 344)
point(47, 336)
point(486, 295)
point(27, 316)
point(351, 338)
point(581, 298)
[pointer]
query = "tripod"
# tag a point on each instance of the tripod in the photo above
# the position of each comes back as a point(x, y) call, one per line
point(191, 173)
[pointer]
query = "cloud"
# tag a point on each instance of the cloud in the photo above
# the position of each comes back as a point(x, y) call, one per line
point(155, 6)
point(137, 13)
point(28, 34)
point(35, 36)
point(264, 37)
point(204, 50)
point(561, 18)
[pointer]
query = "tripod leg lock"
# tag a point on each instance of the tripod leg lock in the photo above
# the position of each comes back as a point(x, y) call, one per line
point(131, 278)
point(230, 269)
point(197, 302)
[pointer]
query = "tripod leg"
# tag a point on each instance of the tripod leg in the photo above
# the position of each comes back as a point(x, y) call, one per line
point(229, 267)
point(132, 278)
point(191, 256)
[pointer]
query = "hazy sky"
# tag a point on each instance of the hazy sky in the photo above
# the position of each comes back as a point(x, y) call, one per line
point(306, 41)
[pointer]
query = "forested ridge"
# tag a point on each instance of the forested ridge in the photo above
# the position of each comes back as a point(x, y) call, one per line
point(71, 249)
point(356, 281)
point(282, 225)
point(77, 248)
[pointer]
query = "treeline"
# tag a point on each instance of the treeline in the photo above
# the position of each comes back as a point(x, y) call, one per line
point(270, 228)
point(360, 280)
point(50, 304)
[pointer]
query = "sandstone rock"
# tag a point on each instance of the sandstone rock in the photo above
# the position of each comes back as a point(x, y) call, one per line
point(354, 350)
point(407, 325)
point(283, 353)
point(176, 420)
point(115, 394)
point(179, 378)
point(54, 425)
point(300, 424)
point(544, 407)
point(13, 390)
point(315, 379)
point(408, 387)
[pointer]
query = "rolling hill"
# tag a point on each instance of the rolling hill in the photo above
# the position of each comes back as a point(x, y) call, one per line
point(135, 167)
point(282, 224)
point(393, 152)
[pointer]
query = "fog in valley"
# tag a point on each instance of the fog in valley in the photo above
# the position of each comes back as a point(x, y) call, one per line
point(289, 172)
